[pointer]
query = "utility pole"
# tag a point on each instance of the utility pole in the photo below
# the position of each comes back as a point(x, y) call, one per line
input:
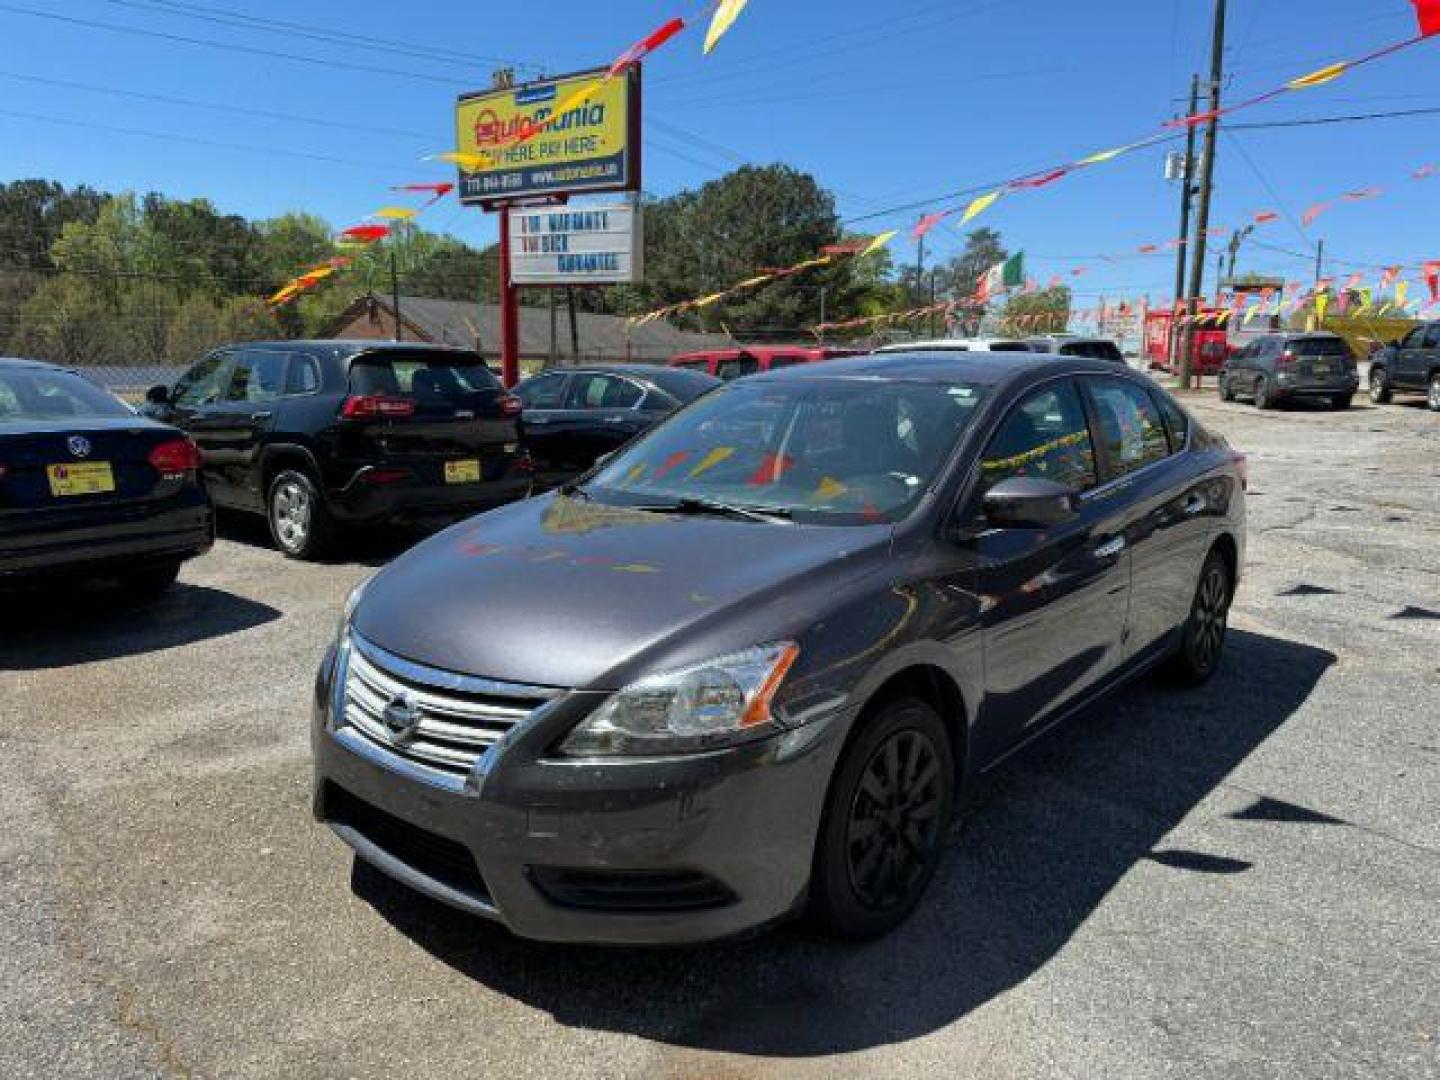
point(1187, 194)
point(554, 336)
point(1319, 261)
point(574, 325)
point(1207, 180)
point(395, 294)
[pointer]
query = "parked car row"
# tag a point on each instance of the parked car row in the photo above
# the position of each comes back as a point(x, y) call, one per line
point(1288, 367)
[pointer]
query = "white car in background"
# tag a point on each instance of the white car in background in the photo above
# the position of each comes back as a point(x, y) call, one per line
point(979, 344)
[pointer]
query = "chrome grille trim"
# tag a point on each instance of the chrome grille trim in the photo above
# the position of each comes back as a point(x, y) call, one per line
point(460, 717)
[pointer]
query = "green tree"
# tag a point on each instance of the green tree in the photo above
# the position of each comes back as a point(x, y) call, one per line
point(67, 321)
point(1043, 312)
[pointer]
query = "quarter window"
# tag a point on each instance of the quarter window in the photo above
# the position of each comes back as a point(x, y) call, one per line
point(1432, 341)
point(602, 392)
point(1045, 436)
point(1177, 423)
point(1130, 430)
point(304, 377)
point(1415, 339)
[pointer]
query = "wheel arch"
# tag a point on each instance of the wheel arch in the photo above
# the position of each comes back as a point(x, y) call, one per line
point(278, 456)
point(937, 687)
point(1229, 551)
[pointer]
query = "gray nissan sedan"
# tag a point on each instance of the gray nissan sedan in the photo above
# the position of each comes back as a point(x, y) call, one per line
point(749, 665)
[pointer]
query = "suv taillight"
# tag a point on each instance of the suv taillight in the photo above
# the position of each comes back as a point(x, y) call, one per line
point(510, 405)
point(175, 456)
point(376, 406)
point(1285, 359)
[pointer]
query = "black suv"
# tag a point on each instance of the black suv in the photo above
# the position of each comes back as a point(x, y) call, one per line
point(1282, 367)
point(1409, 365)
point(315, 434)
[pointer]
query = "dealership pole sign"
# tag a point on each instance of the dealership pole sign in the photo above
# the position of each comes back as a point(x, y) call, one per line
point(591, 146)
point(590, 245)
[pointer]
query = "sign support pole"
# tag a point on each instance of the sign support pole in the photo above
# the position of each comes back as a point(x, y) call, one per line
point(509, 309)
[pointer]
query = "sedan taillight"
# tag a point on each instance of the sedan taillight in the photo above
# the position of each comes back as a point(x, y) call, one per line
point(376, 406)
point(175, 456)
point(510, 405)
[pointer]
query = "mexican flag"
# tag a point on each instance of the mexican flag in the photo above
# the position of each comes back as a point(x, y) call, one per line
point(1001, 277)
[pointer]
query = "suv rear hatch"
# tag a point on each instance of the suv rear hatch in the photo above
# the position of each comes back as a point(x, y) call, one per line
point(1321, 357)
point(442, 415)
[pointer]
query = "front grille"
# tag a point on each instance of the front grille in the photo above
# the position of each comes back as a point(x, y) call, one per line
point(436, 718)
point(431, 854)
point(630, 890)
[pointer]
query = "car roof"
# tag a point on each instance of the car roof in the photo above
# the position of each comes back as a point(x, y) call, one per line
point(656, 373)
point(22, 362)
point(945, 368)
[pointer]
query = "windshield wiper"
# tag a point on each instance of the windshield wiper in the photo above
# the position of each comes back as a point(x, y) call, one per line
point(768, 515)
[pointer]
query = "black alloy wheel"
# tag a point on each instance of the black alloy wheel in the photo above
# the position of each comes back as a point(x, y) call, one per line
point(885, 821)
point(1202, 640)
point(1380, 392)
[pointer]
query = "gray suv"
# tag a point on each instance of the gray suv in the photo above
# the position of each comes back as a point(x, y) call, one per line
point(1286, 367)
point(1411, 365)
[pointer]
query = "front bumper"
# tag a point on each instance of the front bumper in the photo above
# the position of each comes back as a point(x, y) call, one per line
point(733, 830)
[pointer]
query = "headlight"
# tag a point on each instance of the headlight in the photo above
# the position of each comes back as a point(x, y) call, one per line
point(718, 703)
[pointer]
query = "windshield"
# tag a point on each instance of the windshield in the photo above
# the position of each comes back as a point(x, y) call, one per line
point(41, 394)
point(831, 451)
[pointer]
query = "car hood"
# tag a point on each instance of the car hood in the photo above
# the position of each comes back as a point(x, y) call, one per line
point(560, 591)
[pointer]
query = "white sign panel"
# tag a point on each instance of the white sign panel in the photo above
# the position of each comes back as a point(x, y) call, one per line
point(593, 245)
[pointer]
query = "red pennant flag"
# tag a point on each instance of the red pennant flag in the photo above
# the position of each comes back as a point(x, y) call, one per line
point(1432, 278)
point(1039, 181)
point(1266, 216)
point(928, 222)
point(1148, 249)
point(1079, 270)
point(1428, 12)
point(1390, 274)
point(1354, 279)
point(1217, 231)
point(1362, 194)
point(1054, 282)
point(1193, 121)
point(645, 46)
point(1425, 172)
point(433, 189)
point(1313, 213)
point(366, 233)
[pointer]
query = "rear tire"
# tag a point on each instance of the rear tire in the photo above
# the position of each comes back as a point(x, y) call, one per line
point(1202, 637)
point(1340, 401)
point(300, 522)
point(1263, 400)
point(886, 817)
point(1432, 399)
point(1380, 392)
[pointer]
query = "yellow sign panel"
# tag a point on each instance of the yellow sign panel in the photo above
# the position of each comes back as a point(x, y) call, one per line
point(556, 136)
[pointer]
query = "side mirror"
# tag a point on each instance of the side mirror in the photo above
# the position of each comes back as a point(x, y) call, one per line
point(158, 395)
point(1028, 502)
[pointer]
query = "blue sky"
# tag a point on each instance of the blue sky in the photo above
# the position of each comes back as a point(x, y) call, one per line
point(886, 104)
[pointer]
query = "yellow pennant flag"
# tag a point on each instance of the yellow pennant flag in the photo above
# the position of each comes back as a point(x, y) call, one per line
point(725, 15)
point(823, 260)
point(877, 243)
point(979, 206)
point(706, 301)
point(1402, 290)
point(318, 274)
point(1102, 156)
point(395, 213)
point(752, 282)
point(468, 162)
point(284, 294)
point(1318, 78)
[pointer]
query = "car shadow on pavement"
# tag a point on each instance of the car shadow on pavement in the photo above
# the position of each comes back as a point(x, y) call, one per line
point(45, 630)
point(373, 547)
point(1048, 836)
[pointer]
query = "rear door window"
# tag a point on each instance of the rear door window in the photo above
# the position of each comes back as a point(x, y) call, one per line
point(602, 392)
point(1432, 340)
point(1416, 338)
point(1130, 431)
point(1045, 436)
point(258, 375)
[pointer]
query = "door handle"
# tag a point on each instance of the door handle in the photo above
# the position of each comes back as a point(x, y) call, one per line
point(615, 419)
point(264, 414)
point(1111, 548)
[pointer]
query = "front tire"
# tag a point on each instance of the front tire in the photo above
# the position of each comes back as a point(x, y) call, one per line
point(1380, 392)
point(300, 523)
point(1340, 401)
point(1432, 398)
point(885, 822)
point(1223, 386)
point(1263, 400)
point(1202, 638)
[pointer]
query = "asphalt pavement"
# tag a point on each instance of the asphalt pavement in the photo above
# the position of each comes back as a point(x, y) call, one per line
point(1241, 881)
